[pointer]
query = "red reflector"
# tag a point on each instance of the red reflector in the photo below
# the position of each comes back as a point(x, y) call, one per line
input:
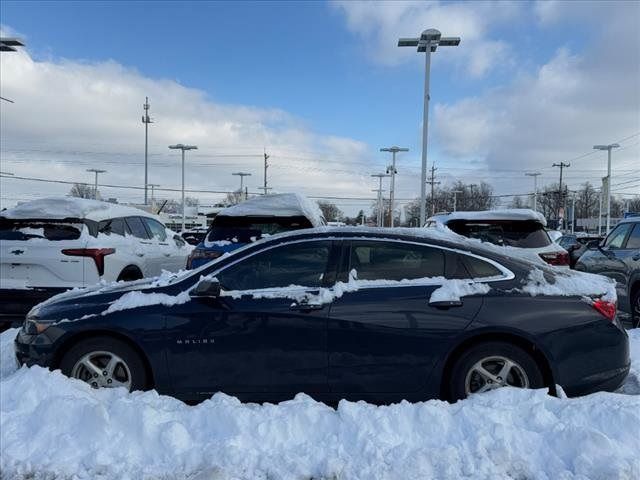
point(97, 254)
point(607, 309)
point(556, 258)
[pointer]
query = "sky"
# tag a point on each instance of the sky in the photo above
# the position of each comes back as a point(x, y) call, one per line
point(320, 87)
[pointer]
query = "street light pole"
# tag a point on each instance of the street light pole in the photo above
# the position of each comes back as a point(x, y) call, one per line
point(95, 188)
point(182, 147)
point(428, 42)
point(608, 148)
point(146, 120)
point(535, 188)
point(392, 169)
point(242, 175)
point(380, 216)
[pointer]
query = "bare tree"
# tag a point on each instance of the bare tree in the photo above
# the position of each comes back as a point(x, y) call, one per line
point(518, 202)
point(82, 190)
point(330, 211)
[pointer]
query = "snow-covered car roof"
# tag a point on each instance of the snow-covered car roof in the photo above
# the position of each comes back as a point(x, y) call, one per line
point(277, 205)
point(71, 207)
point(516, 214)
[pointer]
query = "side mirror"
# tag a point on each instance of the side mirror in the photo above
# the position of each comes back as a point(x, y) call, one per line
point(206, 288)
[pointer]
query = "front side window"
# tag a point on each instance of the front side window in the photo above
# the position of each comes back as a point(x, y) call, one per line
point(137, 228)
point(302, 264)
point(156, 228)
point(395, 261)
point(617, 236)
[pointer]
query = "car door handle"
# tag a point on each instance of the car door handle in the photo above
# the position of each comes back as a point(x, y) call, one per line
point(446, 304)
point(305, 306)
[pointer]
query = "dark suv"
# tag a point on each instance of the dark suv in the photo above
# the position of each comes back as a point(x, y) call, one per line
point(577, 244)
point(618, 257)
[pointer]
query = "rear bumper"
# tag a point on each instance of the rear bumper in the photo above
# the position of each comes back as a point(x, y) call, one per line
point(15, 304)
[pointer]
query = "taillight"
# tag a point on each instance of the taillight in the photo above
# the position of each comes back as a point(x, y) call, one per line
point(208, 255)
point(556, 258)
point(97, 254)
point(606, 308)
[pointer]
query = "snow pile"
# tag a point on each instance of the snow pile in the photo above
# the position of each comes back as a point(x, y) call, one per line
point(570, 283)
point(453, 290)
point(277, 205)
point(136, 298)
point(71, 207)
point(54, 427)
point(632, 384)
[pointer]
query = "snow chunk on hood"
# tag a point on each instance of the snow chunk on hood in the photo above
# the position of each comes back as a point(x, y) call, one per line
point(136, 298)
point(277, 205)
point(570, 283)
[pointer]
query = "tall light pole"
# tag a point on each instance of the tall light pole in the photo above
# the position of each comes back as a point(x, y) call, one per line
point(242, 175)
point(380, 219)
point(455, 199)
point(392, 170)
point(535, 188)
point(182, 147)
point(95, 188)
point(146, 120)
point(608, 148)
point(428, 42)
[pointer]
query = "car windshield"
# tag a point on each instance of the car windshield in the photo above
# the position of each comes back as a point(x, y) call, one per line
point(25, 229)
point(512, 233)
point(247, 229)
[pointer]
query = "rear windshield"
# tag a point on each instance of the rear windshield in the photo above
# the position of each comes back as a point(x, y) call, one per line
point(511, 233)
point(28, 229)
point(248, 229)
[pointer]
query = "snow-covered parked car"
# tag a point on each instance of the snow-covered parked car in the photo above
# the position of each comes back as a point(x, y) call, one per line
point(54, 244)
point(252, 219)
point(521, 231)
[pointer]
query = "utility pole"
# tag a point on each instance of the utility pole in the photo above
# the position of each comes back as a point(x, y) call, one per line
point(146, 120)
point(535, 188)
point(433, 183)
point(242, 175)
point(266, 165)
point(428, 42)
point(392, 170)
point(562, 165)
point(182, 147)
point(153, 197)
point(602, 187)
point(608, 148)
point(573, 212)
point(455, 199)
point(95, 188)
point(380, 219)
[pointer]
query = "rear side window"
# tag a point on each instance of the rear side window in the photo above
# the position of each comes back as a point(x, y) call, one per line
point(395, 261)
point(28, 229)
point(114, 226)
point(156, 228)
point(512, 233)
point(481, 269)
point(617, 236)
point(137, 228)
point(634, 238)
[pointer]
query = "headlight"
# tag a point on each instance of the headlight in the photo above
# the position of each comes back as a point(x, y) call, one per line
point(34, 327)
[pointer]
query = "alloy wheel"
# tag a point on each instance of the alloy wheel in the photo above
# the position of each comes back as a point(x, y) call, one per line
point(102, 369)
point(494, 372)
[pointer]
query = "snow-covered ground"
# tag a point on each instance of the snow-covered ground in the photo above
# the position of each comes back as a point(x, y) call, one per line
point(53, 427)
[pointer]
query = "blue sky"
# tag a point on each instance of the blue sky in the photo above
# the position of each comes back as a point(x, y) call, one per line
point(334, 67)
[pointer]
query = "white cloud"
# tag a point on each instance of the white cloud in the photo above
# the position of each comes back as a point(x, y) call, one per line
point(380, 24)
point(69, 116)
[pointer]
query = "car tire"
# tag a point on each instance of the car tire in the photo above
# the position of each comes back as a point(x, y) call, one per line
point(90, 361)
point(478, 369)
point(635, 310)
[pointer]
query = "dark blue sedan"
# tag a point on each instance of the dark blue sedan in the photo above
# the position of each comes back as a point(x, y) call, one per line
point(356, 313)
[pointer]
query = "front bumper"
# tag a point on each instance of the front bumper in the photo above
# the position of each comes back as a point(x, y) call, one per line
point(33, 349)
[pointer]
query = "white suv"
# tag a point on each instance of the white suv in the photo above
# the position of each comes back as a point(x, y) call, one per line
point(53, 244)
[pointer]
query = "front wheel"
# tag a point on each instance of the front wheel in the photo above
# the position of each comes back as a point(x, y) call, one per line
point(105, 362)
point(493, 365)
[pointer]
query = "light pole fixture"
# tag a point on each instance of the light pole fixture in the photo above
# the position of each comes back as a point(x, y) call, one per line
point(380, 219)
point(182, 147)
point(391, 170)
point(95, 188)
point(242, 175)
point(428, 42)
point(608, 148)
point(535, 188)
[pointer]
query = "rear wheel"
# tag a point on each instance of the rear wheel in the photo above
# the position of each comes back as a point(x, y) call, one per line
point(129, 274)
point(493, 365)
point(105, 362)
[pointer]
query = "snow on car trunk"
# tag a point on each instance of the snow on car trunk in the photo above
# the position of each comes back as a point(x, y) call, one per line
point(53, 427)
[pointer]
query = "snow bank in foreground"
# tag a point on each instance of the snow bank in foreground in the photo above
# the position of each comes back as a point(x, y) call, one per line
point(53, 427)
point(8, 363)
point(632, 384)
